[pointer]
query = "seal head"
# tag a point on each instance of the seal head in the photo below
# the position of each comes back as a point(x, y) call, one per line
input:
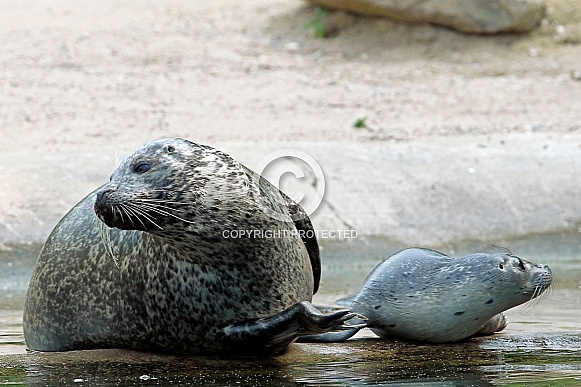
point(152, 184)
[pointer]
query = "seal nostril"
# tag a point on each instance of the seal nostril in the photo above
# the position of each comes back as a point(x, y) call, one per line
point(102, 195)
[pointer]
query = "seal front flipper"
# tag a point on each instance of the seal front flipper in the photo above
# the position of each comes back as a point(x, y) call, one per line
point(495, 324)
point(271, 335)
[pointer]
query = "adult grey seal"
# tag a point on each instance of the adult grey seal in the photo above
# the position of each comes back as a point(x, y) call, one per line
point(424, 295)
point(168, 277)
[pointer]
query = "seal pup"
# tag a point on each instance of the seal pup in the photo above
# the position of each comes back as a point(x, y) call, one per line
point(423, 295)
point(169, 277)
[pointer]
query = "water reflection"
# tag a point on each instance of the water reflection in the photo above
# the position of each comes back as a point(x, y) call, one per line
point(16, 263)
point(363, 362)
point(542, 345)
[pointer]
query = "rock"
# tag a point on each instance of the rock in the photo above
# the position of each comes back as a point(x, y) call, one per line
point(473, 16)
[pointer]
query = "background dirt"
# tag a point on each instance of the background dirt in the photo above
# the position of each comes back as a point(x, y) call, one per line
point(82, 82)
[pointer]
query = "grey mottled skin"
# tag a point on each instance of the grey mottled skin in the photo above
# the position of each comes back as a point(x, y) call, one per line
point(172, 282)
point(423, 295)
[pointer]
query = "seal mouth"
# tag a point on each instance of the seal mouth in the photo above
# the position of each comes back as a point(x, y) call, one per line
point(103, 209)
point(103, 216)
point(124, 215)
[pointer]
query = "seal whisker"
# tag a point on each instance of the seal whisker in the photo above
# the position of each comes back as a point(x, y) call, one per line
point(540, 293)
point(501, 249)
point(115, 209)
point(149, 217)
point(528, 306)
point(535, 299)
point(157, 209)
point(137, 212)
point(547, 294)
point(130, 212)
point(105, 235)
point(163, 212)
point(161, 203)
point(158, 202)
point(120, 210)
point(543, 293)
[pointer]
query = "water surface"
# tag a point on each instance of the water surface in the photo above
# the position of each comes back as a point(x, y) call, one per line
point(541, 346)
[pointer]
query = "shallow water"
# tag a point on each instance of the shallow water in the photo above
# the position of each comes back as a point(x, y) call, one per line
point(541, 346)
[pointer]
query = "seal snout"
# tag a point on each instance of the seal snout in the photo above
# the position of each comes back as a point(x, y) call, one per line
point(542, 279)
point(103, 207)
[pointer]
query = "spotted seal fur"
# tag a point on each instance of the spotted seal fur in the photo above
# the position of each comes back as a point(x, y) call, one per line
point(426, 296)
point(166, 278)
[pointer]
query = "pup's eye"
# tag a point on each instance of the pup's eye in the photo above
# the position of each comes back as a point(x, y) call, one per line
point(141, 167)
point(501, 266)
point(170, 149)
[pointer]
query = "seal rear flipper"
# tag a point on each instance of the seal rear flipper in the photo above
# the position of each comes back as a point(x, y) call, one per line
point(329, 337)
point(355, 325)
point(272, 335)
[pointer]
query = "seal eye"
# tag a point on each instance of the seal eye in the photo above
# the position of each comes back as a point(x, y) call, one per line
point(141, 167)
point(170, 149)
point(501, 266)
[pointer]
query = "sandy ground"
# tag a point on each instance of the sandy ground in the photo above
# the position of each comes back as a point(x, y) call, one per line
point(84, 82)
